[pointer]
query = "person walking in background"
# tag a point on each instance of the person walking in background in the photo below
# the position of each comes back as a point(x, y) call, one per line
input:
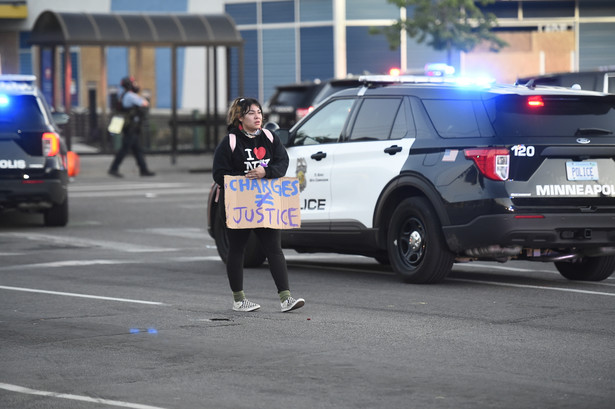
point(134, 108)
point(235, 156)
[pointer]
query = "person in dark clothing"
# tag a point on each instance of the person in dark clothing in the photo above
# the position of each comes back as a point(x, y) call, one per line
point(134, 107)
point(254, 153)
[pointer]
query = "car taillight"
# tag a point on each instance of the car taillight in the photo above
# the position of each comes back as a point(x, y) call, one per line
point(535, 101)
point(493, 163)
point(301, 112)
point(51, 144)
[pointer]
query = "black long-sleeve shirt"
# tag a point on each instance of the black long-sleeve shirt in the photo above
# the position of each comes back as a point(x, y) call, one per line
point(247, 155)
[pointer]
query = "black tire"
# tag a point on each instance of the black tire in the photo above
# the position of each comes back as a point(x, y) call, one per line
point(253, 256)
point(427, 260)
point(587, 268)
point(57, 215)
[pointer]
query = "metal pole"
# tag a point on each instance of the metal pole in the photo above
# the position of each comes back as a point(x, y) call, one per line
point(173, 105)
point(67, 83)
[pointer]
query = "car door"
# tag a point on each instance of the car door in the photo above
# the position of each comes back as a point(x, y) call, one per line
point(311, 152)
point(372, 154)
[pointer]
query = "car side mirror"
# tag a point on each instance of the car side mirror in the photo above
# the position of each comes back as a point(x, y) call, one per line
point(60, 118)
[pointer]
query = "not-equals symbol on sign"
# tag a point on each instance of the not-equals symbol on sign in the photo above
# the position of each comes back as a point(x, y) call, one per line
point(264, 199)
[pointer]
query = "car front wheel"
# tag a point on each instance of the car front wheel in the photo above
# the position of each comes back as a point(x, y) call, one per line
point(587, 268)
point(415, 243)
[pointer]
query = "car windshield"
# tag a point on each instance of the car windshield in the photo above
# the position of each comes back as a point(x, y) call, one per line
point(20, 113)
point(549, 115)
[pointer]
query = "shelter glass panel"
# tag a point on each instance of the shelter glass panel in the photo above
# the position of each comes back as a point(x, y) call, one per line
point(138, 29)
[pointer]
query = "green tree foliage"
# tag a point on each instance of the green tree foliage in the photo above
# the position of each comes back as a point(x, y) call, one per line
point(444, 25)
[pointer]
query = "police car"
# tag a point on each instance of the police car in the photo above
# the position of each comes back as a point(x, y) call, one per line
point(34, 160)
point(421, 173)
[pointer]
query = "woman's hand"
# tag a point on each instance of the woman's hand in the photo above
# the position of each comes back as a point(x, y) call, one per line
point(256, 173)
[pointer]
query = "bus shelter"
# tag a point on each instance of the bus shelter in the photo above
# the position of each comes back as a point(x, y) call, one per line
point(58, 29)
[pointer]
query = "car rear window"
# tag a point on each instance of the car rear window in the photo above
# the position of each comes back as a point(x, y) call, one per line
point(457, 118)
point(20, 112)
point(515, 115)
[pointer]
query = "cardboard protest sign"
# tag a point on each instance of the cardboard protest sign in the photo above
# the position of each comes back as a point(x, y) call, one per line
point(251, 203)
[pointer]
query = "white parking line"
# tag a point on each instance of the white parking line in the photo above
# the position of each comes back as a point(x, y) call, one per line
point(68, 263)
point(142, 192)
point(537, 287)
point(95, 297)
point(126, 186)
point(121, 404)
point(83, 242)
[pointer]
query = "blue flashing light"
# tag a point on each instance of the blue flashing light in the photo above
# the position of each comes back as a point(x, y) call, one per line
point(152, 330)
point(134, 330)
point(4, 101)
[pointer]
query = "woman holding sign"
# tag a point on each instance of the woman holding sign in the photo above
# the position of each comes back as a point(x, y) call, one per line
point(253, 152)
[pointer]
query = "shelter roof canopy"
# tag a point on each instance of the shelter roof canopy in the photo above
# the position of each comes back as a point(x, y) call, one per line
point(55, 28)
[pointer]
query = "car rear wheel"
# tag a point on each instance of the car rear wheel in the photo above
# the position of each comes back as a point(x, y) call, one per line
point(57, 215)
point(587, 268)
point(253, 256)
point(416, 247)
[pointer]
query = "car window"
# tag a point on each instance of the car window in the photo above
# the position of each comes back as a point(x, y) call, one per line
point(20, 112)
point(453, 118)
point(325, 125)
point(376, 119)
point(513, 115)
point(295, 97)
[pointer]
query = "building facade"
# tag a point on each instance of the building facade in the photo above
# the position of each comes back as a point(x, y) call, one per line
point(289, 41)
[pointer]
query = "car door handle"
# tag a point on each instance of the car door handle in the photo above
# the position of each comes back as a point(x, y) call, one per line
point(319, 155)
point(392, 150)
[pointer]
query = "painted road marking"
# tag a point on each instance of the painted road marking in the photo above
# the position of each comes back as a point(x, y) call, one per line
point(537, 287)
point(95, 297)
point(83, 242)
point(189, 191)
point(28, 391)
point(68, 263)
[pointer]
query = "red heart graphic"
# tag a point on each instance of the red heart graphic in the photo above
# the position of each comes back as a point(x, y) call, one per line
point(259, 152)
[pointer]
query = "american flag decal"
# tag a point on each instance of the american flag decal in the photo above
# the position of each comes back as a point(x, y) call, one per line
point(450, 155)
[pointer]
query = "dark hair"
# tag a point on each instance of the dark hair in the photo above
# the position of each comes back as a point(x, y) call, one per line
point(239, 107)
point(127, 83)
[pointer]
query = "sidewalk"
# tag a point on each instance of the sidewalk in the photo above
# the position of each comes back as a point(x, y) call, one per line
point(95, 164)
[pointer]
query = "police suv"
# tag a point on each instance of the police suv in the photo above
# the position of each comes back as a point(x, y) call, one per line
point(33, 156)
point(421, 175)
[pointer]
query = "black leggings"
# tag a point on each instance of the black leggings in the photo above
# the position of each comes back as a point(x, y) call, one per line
point(270, 241)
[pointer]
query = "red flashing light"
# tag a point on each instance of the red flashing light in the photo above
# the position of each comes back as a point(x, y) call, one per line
point(492, 162)
point(394, 72)
point(51, 144)
point(535, 101)
point(301, 112)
